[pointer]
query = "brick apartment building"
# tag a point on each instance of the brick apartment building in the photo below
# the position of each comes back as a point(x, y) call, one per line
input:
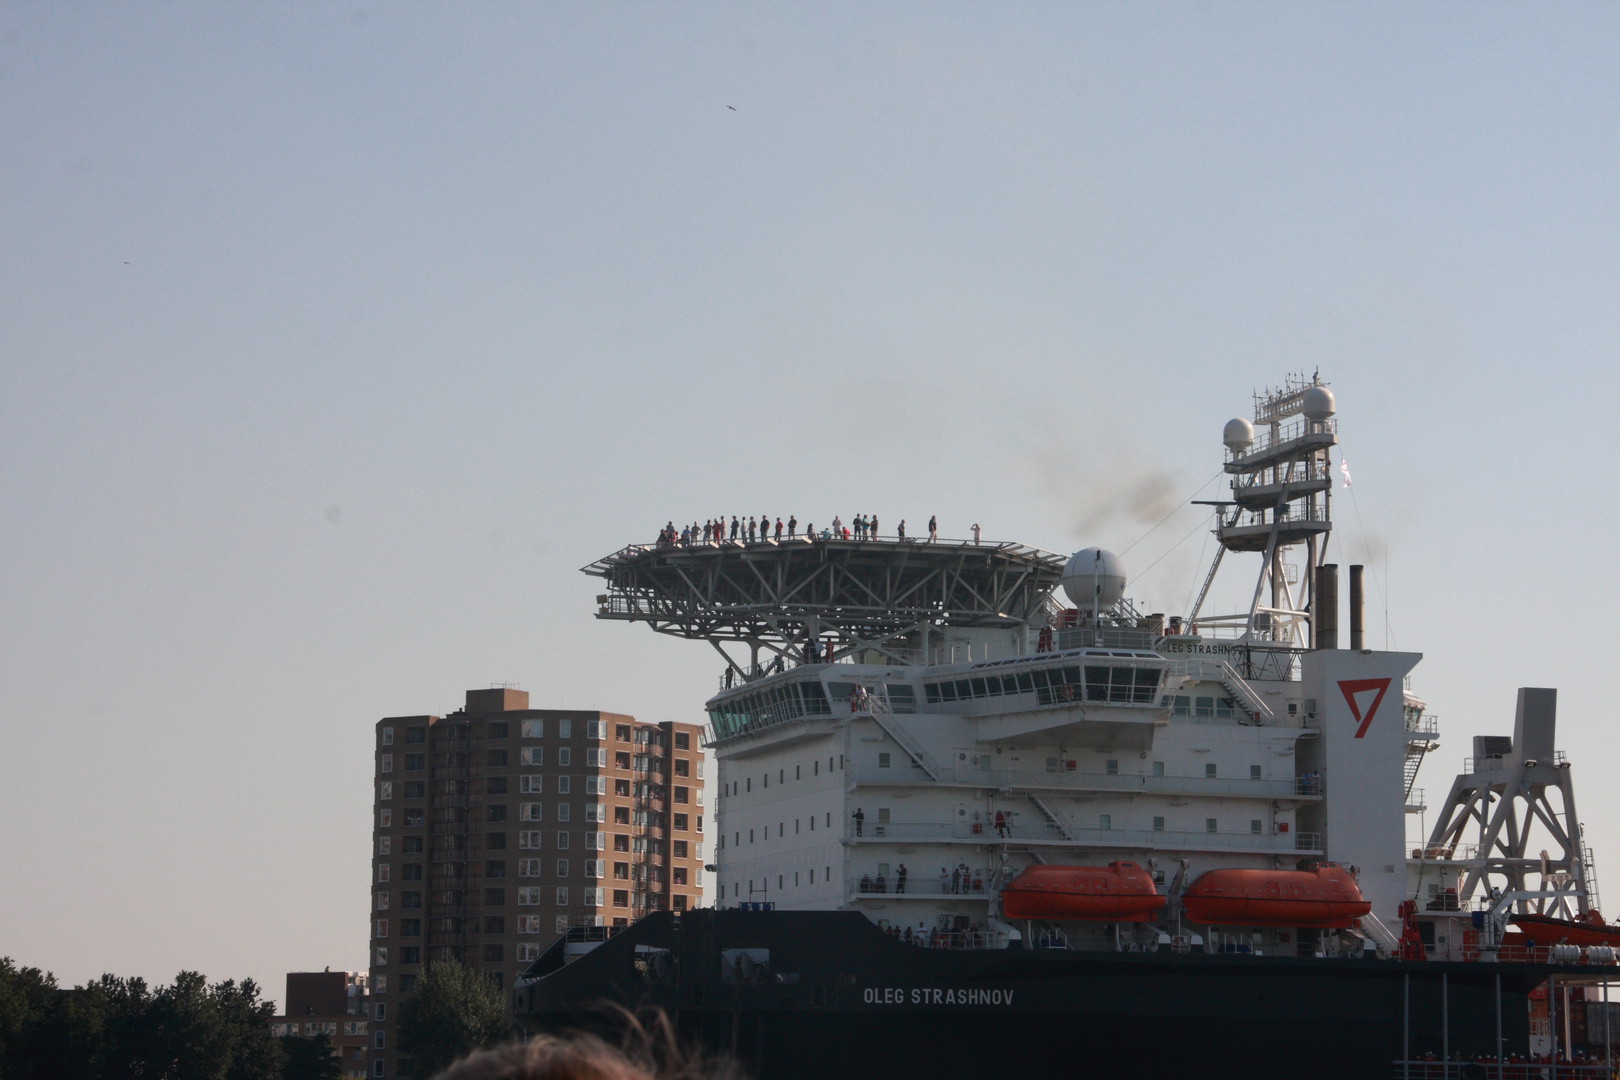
point(498, 827)
point(330, 1003)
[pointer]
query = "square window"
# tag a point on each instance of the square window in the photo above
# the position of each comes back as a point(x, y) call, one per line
point(494, 897)
point(495, 812)
point(621, 898)
point(413, 818)
point(498, 729)
point(532, 755)
point(565, 785)
point(1112, 768)
point(681, 795)
point(883, 761)
point(495, 841)
point(414, 789)
point(621, 732)
point(1158, 768)
point(495, 868)
point(680, 822)
point(495, 785)
point(530, 811)
point(621, 842)
point(411, 845)
point(1209, 825)
point(1158, 824)
point(1209, 771)
point(492, 954)
point(411, 872)
point(529, 841)
point(415, 762)
point(409, 928)
point(532, 729)
point(416, 734)
point(410, 954)
point(1254, 772)
point(563, 812)
point(1255, 826)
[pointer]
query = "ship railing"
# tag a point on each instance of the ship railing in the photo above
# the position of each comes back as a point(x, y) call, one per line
point(1540, 1069)
point(870, 885)
point(1046, 833)
point(1063, 779)
point(1286, 433)
point(958, 939)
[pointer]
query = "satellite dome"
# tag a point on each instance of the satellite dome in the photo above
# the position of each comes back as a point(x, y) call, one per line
point(1238, 435)
point(1318, 403)
point(1094, 578)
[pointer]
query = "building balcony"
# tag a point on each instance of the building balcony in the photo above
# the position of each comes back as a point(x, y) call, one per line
point(1071, 836)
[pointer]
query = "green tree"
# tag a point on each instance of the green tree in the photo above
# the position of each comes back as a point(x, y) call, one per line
point(310, 1059)
point(26, 995)
point(452, 1011)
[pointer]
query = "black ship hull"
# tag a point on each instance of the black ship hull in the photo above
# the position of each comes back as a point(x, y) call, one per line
point(808, 994)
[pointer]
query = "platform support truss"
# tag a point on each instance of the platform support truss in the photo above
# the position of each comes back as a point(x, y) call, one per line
point(1487, 830)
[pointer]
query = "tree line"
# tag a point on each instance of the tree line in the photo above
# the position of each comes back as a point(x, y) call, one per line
point(122, 1029)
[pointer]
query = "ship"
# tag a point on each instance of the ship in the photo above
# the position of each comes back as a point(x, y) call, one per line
point(975, 806)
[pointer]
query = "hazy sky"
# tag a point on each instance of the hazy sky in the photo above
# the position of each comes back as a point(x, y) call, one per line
point(335, 339)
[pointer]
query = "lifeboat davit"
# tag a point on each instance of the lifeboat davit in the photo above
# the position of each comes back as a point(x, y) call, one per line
point(1324, 898)
point(1118, 892)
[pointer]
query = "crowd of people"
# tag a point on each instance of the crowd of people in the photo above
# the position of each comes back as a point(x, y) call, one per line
point(973, 936)
point(751, 530)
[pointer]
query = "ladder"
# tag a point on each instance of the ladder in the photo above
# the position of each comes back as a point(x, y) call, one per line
point(1051, 819)
point(1240, 689)
point(1414, 759)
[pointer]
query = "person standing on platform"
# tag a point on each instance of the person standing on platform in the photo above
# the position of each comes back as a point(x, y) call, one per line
point(860, 817)
point(871, 527)
point(900, 530)
point(975, 532)
point(750, 530)
point(933, 528)
point(779, 529)
point(793, 524)
point(900, 879)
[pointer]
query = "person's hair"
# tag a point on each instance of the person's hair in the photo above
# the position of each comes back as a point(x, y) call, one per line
point(648, 1050)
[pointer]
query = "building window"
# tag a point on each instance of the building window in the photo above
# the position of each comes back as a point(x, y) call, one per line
point(379, 1040)
point(1105, 821)
point(388, 763)
point(1209, 771)
point(529, 811)
point(565, 729)
point(528, 952)
point(562, 841)
point(381, 1012)
point(1111, 767)
point(415, 762)
point(677, 848)
point(410, 845)
point(496, 758)
point(384, 845)
point(494, 897)
point(595, 868)
point(532, 755)
point(495, 868)
point(680, 795)
point(562, 812)
point(532, 729)
point(533, 784)
point(621, 842)
point(621, 760)
point(382, 901)
point(883, 761)
point(596, 758)
point(565, 756)
point(679, 875)
point(410, 872)
point(1254, 772)
point(497, 812)
point(621, 732)
point(410, 954)
point(382, 956)
point(562, 867)
point(529, 868)
point(528, 897)
point(495, 785)
point(416, 734)
point(413, 818)
point(498, 729)
point(492, 954)
point(388, 736)
point(410, 900)
point(621, 870)
point(621, 815)
point(382, 872)
point(680, 822)
point(683, 767)
point(562, 901)
point(596, 729)
point(409, 928)
point(698, 828)
point(1209, 824)
point(377, 1067)
point(385, 790)
point(414, 789)
point(495, 841)
point(591, 897)
point(382, 928)
point(621, 898)
point(528, 924)
point(529, 841)
point(1158, 824)
point(683, 741)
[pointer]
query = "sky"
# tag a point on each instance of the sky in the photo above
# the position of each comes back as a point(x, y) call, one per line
point(335, 339)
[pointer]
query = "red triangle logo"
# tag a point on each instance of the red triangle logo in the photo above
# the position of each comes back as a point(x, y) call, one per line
point(1351, 687)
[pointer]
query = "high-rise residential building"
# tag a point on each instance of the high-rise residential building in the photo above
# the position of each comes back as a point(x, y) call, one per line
point(498, 827)
point(330, 1003)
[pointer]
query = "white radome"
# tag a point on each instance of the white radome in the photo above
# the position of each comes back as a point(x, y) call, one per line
point(1238, 435)
point(1094, 578)
point(1318, 403)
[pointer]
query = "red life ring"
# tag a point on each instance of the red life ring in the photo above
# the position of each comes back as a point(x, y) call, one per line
point(1068, 691)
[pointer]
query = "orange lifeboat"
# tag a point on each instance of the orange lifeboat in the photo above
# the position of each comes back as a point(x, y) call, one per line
point(1325, 897)
point(1118, 892)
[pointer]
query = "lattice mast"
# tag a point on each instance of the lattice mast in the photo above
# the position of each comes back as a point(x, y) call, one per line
point(1282, 490)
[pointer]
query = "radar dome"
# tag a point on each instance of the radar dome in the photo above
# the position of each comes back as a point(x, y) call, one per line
point(1318, 403)
point(1093, 578)
point(1238, 435)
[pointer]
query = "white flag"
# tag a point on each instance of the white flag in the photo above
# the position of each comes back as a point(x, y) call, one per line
point(1344, 467)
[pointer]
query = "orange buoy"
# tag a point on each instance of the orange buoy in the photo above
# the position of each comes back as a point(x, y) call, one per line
point(1324, 897)
point(1118, 892)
